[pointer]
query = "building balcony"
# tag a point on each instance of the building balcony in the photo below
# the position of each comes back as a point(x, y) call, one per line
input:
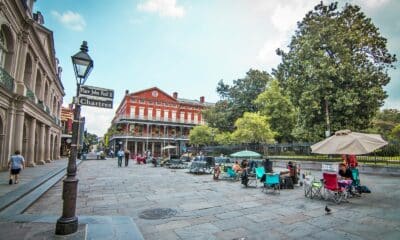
point(156, 119)
point(151, 136)
point(6, 81)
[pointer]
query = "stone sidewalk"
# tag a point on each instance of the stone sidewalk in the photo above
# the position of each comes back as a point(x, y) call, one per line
point(28, 174)
point(172, 204)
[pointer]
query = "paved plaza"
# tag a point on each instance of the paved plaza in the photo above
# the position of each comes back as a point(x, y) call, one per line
point(205, 209)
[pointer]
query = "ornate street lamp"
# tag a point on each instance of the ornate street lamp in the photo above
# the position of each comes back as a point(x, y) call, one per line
point(68, 222)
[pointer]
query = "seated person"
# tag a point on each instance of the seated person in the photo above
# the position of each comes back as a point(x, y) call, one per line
point(217, 171)
point(344, 172)
point(346, 177)
point(267, 165)
point(236, 167)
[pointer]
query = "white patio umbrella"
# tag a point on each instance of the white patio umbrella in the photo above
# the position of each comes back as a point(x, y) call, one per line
point(168, 147)
point(347, 142)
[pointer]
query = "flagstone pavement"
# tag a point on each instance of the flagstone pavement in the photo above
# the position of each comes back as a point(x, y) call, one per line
point(207, 209)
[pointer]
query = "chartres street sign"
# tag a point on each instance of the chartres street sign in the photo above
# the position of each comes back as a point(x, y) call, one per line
point(95, 97)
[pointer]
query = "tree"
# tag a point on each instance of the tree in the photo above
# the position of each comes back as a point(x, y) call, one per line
point(395, 133)
point(202, 135)
point(89, 140)
point(275, 105)
point(224, 138)
point(384, 122)
point(253, 128)
point(335, 70)
point(236, 99)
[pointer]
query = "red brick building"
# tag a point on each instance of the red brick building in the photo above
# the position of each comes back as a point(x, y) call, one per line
point(152, 119)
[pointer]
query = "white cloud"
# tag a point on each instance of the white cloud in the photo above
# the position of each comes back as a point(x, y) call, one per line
point(98, 120)
point(284, 16)
point(372, 3)
point(71, 20)
point(165, 8)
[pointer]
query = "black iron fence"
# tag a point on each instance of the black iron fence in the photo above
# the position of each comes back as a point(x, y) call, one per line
point(388, 155)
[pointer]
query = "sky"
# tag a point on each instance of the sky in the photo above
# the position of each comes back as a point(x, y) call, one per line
point(185, 46)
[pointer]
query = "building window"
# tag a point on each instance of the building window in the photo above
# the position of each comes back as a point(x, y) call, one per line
point(158, 114)
point(182, 118)
point(173, 116)
point(150, 113)
point(189, 117)
point(166, 113)
point(3, 48)
point(141, 112)
point(196, 118)
point(133, 112)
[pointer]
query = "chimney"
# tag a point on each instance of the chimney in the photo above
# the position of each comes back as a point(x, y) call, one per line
point(126, 92)
point(202, 99)
point(175, 95)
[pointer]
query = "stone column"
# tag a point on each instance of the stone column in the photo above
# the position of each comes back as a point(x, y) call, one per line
point(20, 66)
point(18, 130)
point(48, 145)
point(9, 135)
point(34, 74)
point(42, 147)
point(143, 147)
point(58, 147)
point(136, 148)
point(30, 159)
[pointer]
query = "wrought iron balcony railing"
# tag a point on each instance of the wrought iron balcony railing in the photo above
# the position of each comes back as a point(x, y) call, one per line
point(6, 80)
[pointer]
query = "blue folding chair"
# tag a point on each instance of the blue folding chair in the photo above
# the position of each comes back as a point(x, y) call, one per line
point(260, 171)
point(272, 181)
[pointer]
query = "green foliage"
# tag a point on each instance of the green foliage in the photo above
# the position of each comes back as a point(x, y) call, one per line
point(384, 122)
point(220, 116)
point(202, 135)
point(337, 60)
point(89, 140)
point(275, 105)
point(236, 99)
point(224, 138)
point(395, 133)
point(253, 128)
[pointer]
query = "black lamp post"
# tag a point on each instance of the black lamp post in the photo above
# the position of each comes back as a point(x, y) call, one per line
point(68, 222)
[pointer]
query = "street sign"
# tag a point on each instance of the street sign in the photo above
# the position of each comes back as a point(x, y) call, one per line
point(95, 102)
point(96, 92)
point(95, 97)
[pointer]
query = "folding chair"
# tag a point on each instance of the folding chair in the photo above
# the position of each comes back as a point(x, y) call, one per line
point(332, 189)
point(260, 171)
point(312, 187)
point(272, 181)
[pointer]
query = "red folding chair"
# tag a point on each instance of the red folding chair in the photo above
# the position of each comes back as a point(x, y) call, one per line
point(332, 189)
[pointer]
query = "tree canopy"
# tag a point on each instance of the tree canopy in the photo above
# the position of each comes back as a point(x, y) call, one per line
point(277, 106)
point(335, 69)
point(236, 99)
point(202, 135)
point(253, 128)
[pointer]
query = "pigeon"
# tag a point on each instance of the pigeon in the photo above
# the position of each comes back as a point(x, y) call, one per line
point(327, 210)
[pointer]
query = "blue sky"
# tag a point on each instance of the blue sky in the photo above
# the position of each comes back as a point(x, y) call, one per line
point(185, 45)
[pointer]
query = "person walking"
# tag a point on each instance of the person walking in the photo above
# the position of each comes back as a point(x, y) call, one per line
point(15, 164)
point(120, 155)
point(127, 153)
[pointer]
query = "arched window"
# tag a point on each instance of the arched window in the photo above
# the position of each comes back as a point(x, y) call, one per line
point(3, 48)
point(28, 72)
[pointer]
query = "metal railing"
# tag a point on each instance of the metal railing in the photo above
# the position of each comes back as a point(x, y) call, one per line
point(157, 119)
point(150, 135)
point(30, 95)
point(6, 80)
point(388, 155)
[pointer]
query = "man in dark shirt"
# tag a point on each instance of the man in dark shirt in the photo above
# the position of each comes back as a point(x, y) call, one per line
point(345, 172)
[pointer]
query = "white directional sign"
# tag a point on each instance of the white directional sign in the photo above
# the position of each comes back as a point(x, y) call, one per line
point(96, 97)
